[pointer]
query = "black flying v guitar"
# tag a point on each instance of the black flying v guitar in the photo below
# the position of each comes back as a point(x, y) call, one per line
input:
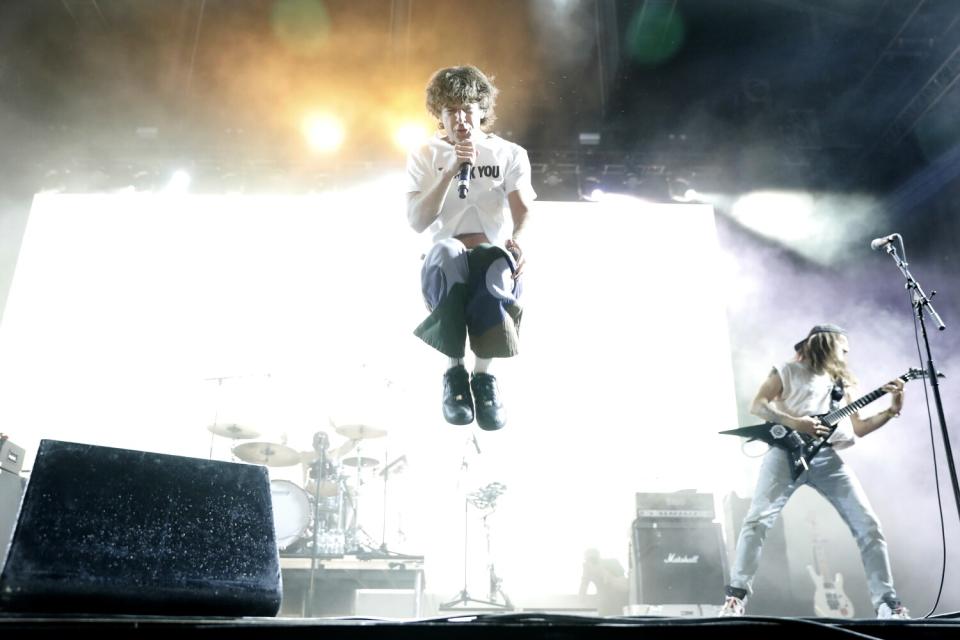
point(801, 447)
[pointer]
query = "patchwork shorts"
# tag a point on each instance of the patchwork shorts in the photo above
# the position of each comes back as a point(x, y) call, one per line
point(470, 292)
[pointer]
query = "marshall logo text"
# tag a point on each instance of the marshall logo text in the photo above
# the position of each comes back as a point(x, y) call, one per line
point(677, 559)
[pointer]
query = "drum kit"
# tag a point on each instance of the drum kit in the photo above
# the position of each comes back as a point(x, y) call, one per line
point(318, 517)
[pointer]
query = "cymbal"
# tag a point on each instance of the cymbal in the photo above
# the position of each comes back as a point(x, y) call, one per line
point(360, 431)
point(360, 461)
point(268, 453)
point(235, 431)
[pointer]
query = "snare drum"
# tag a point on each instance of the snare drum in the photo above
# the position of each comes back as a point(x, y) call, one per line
point(291, 511)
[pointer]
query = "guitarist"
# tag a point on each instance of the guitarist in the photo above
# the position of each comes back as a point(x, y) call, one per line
point(815, 381)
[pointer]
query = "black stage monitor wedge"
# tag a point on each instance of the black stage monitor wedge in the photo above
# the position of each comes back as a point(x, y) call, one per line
point(104, 530)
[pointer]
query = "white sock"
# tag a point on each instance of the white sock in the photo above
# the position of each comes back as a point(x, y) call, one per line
point(482, 365)
point(453, 362)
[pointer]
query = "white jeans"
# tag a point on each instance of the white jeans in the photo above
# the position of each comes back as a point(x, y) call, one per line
point(836, 482)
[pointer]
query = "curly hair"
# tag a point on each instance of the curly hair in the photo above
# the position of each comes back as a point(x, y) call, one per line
point(466, 84)
point(820, 352)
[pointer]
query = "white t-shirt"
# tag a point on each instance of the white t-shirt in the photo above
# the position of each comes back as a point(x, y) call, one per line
point(502, 167)
point(807, 394)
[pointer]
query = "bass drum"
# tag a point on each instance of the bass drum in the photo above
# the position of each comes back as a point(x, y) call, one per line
point(291, 512)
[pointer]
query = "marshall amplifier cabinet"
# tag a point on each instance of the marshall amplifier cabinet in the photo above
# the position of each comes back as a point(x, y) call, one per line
point(682, 505)
point(678, 561)
point(11, 456)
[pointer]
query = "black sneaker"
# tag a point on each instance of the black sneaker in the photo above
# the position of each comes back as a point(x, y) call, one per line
point(490, 412)
point(457, 401)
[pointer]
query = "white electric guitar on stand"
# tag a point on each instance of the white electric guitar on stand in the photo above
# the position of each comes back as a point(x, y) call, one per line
point(829, 599)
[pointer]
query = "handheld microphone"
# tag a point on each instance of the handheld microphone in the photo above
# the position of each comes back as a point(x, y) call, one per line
point(463, 180)
point(884, 241)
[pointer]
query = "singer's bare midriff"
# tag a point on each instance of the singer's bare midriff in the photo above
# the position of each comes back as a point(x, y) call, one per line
point(470, 240)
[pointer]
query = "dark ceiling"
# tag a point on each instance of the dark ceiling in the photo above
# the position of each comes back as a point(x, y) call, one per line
point(820, 94)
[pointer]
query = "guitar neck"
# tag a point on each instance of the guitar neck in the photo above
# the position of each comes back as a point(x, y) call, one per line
point(834, 417)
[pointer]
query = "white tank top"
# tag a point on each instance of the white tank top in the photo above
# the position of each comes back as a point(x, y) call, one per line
point(807, 394)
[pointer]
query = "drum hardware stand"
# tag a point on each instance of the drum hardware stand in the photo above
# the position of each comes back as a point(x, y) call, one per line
point(483, 499)
point(318, 474)
point(216, 412)
point(389, 468)
point(354, 532)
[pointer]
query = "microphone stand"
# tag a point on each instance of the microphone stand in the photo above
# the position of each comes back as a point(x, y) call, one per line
point(463, 600)
point(921, 302)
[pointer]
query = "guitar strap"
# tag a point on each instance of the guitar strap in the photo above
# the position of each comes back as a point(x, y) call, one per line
point(836, 394)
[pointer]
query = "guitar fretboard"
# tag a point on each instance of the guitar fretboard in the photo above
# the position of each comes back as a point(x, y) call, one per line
point(834, 417)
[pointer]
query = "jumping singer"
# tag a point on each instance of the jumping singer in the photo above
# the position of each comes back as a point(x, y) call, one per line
point(471, 190)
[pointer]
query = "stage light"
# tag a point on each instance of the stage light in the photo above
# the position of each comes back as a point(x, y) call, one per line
point(681, 190)
point(589, 138)
point(410, 135)
point(788, 216)
point(596, 195)
point(324, 133)
point(179, 182)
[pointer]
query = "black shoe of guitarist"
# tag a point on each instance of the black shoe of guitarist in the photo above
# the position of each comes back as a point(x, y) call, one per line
point(490, 412)
point(457, 401)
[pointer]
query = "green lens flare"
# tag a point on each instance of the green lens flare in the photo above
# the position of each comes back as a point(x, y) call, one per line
point(301, 25)
point(655, 33)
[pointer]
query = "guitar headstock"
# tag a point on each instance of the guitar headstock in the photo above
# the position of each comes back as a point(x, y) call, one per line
point(913, 373)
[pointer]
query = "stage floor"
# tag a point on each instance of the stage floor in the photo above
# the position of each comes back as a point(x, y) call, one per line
point(512, 625)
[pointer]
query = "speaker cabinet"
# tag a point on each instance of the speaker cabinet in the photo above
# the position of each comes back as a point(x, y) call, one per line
point(677, 562)
point(11, 490)
point(104, 530)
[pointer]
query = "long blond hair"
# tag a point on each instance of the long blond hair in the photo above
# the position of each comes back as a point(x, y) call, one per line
point(819, 351)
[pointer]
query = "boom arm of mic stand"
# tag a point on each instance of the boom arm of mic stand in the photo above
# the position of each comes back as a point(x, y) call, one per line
point(920, 298)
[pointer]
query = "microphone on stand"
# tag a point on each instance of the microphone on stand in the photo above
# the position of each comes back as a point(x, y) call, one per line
point(877, 243)
point(463, 179)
